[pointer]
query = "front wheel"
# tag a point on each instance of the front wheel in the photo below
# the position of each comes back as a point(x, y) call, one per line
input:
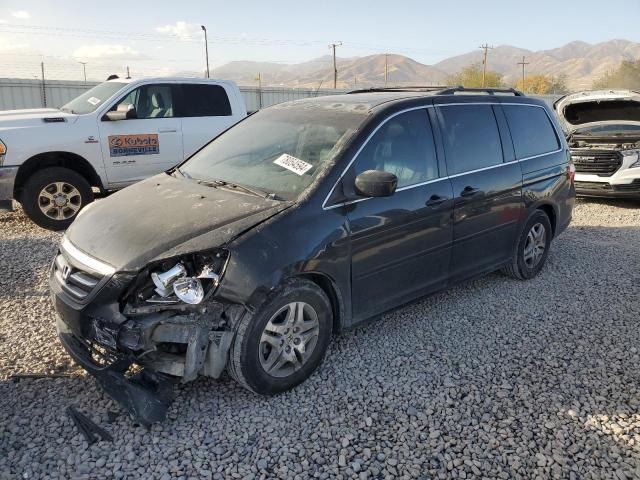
point(282, 344)
point(532, 248)
point(52, 197)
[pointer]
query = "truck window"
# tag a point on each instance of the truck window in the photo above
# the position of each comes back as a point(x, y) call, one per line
point(150, 101)
point(200, 100)
point(471, 137)
point(531, 131)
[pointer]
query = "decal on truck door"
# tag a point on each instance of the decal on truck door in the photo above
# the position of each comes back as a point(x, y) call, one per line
point(142, 144)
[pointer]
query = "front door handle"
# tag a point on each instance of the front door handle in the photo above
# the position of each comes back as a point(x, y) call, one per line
point(167, 130)
point(435, 200)
point(469, 191)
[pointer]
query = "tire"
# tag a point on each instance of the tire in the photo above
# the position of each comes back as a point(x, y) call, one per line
point(523, 268)
point(44, 186)
point(249, 353)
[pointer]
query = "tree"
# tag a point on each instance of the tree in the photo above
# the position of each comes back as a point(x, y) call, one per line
point(538, 84)
point(471, 76)
point(627, 75)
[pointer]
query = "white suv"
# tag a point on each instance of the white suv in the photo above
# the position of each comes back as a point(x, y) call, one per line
point(603, 132)
point(115, 134)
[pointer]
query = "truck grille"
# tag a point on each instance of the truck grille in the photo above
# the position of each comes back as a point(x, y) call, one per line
point(603, 163)
point(76, 283)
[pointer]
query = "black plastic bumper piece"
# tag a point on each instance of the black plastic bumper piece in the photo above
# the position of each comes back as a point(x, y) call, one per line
point(607, 190)
point(146, 395)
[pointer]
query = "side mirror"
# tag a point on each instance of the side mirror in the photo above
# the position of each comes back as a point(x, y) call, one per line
point(124, 111)
point(376, 183)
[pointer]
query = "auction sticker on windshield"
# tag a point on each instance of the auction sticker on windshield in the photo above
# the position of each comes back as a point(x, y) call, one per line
point(142, 144)
point(292, 163)
point(93, 101)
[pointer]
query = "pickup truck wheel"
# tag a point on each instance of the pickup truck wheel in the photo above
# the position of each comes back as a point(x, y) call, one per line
point(532, 248)
point(52, 197)
point(282, 344)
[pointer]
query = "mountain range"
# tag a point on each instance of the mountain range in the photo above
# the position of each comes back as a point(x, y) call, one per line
point(580, 62)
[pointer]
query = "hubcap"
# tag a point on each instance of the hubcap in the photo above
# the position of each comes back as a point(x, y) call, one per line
point(59, 200)
point(289, 339)
point(535, 245)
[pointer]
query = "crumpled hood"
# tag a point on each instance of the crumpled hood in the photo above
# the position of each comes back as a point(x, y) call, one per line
point(33, 117)
point(165, 216)
point(601, 107)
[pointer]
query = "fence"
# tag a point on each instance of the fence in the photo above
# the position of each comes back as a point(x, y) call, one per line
point(28, 93)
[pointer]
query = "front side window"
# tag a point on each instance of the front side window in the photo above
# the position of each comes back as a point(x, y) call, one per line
point(90, 100)
point(403, 146)
point(200, 100)
point(471, 137)
point(278, 150)
point(150, 101)
point(531, 131)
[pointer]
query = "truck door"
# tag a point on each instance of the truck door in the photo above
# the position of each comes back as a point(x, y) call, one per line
point(149, 143)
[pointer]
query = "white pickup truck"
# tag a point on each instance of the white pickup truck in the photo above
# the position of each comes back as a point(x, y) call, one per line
point(117, 133)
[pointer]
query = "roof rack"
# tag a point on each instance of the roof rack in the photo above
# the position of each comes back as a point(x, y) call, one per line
point(490, 91)
point(410, 88)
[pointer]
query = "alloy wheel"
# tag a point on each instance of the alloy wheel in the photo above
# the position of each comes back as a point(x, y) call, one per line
point(59, 200)
point(535, 245)
point(288, 339)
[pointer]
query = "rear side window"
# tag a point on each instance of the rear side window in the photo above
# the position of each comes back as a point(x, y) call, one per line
point(199, 100)
point(531, 131)
point(403, 146)
point(471, 137)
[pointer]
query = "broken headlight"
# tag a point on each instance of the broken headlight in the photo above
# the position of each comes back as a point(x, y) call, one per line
point(189, 279)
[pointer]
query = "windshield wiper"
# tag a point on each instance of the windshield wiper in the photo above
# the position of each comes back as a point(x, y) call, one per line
point(236, 186)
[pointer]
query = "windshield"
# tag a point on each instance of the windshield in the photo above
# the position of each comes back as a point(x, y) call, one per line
point(92, 99)
point(610, 129)
point(279, 150)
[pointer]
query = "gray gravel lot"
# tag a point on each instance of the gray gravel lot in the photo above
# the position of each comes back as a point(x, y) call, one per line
point(494, 378)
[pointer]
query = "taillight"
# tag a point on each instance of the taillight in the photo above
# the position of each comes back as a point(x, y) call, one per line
point(571, 172)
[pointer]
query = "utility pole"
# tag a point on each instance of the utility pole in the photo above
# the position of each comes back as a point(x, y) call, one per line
point(44, 90)
point(386, 68)
point(523, 63)
point(128, 74)
point(206, 48)
point(84, 70)
point(486, 49)
point(259, 79)
point(335, 67)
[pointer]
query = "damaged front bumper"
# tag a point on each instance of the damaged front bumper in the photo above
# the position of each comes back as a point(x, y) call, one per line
point(137, 356)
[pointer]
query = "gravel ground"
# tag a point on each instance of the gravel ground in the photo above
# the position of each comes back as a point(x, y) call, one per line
point(494, 378)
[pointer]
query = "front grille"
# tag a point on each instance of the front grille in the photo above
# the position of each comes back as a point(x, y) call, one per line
point(76, 283)
point(603, 163)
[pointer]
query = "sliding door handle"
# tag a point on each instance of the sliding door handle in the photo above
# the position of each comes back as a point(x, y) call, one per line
point(469, 191)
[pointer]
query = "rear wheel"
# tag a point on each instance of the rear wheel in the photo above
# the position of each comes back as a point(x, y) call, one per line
point(532, 248)
point(284, 342)
point(52, 197)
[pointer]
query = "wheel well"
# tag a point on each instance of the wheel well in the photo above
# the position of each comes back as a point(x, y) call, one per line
point(551, 213)
point(68, 160)
point(331, 290)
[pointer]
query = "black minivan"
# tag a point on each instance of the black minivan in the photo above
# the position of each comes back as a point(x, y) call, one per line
point(302, 220)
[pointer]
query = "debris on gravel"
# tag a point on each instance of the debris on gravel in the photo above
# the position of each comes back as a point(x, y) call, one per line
point(494, 378)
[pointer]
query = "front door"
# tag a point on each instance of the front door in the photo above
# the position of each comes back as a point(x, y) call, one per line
point(400, 245)
point(487, 189)
point(137, 148)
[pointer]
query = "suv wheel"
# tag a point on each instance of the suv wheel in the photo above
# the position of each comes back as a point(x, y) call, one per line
point(52, 197)
point(532, 248)
point(282, 344)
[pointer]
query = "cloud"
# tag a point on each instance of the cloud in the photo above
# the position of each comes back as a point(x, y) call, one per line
point(8, 46)
point(21, 14)
point(105, 51)
point(182, 30)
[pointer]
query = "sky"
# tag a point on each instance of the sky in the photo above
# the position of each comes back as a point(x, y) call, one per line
point(164, 37)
